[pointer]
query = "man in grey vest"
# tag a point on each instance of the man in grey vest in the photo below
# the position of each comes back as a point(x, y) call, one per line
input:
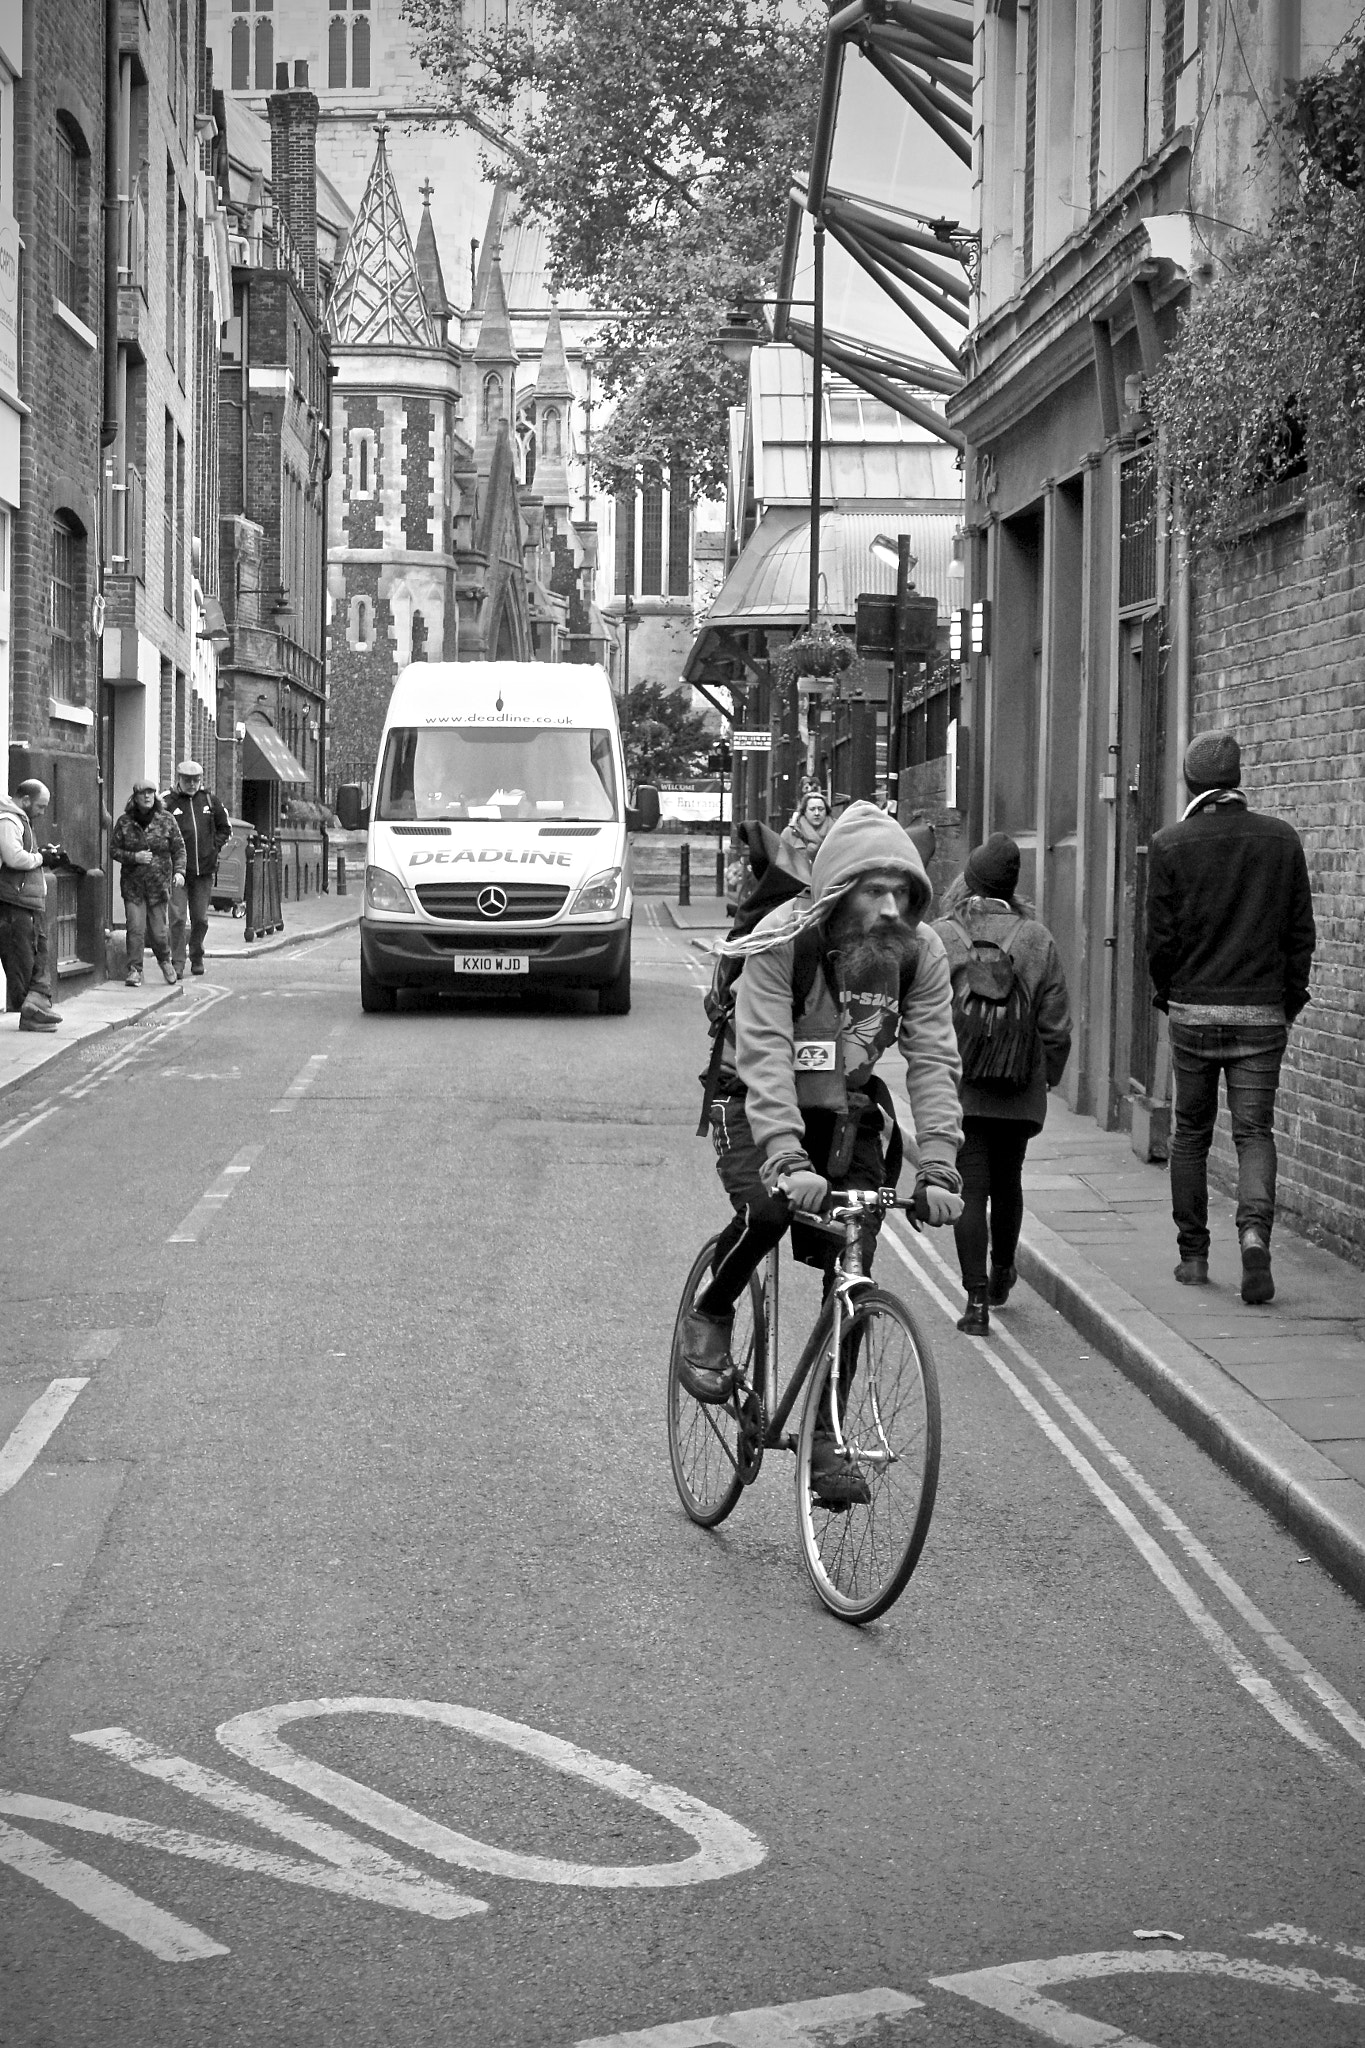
point(23, 913)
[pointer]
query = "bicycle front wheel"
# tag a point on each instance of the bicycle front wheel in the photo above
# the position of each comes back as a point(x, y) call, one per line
point(703, 1439)
point(860, 1556)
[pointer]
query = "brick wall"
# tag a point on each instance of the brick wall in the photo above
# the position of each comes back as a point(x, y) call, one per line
point(1279, 657)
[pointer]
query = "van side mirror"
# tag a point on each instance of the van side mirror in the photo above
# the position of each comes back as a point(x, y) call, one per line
point(354, 816)
point(643, 814)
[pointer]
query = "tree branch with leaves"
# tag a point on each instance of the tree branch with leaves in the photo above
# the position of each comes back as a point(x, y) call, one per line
point(657, 143)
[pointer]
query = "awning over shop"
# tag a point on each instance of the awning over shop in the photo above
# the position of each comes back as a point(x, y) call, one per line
point(769, 584)
point(266, 758)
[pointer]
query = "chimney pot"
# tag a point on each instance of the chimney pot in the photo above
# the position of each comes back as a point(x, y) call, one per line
point(301, 74)
point(281, 78)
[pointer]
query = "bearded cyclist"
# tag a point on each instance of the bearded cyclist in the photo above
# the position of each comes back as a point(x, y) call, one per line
point(829, 980)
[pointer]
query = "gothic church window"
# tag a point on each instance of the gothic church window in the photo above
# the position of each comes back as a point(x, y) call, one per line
point(652, 538)
point(361, 625)
point(551, 433)
point(362, 463)
point(241, 55)
point(419, 637)
point(265, 56)
point(360, 54)
point(492, 399)
point(336, 52)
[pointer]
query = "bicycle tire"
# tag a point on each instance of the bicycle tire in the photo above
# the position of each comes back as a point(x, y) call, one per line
point(702, 1438)
point(860, 1558)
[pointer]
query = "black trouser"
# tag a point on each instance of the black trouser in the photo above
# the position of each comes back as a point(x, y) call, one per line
point(991, 1163)
point(23, 954)
point(761, 1219)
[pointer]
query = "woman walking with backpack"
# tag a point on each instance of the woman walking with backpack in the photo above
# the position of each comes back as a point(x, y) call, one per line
point(1013, 1023)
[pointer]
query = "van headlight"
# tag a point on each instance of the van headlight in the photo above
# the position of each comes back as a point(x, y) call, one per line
point(599, 892)
point(385, 892)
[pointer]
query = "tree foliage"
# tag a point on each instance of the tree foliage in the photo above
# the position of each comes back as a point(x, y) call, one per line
point(663, 736)
point(657, 143)
point(1266, 378)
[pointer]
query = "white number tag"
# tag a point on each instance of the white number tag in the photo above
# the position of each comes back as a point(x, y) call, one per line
point(816, 1056)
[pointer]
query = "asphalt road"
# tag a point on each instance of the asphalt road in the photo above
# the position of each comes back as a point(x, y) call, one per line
point(369, 1318)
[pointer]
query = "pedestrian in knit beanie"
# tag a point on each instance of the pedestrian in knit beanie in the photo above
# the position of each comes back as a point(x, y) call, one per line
point(993, 868)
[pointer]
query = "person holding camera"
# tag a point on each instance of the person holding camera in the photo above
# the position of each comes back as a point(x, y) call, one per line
point(148, 846)
point(23, 906)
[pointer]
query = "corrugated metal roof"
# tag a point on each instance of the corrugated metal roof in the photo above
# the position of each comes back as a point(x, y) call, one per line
point(769, 584)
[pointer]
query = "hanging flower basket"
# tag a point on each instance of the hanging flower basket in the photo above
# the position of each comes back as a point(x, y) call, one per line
point(821, 651)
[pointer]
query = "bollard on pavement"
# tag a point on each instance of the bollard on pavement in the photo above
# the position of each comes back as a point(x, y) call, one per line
point(341, 874)
point(720, 870)
point(684, 874)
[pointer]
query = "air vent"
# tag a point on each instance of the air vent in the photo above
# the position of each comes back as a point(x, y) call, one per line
point(420, 831)
point(569, 831)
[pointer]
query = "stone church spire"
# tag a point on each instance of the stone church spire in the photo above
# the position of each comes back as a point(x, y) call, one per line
point(554, 415)
point(495, 368)
point(429, 271)
point(377, 297)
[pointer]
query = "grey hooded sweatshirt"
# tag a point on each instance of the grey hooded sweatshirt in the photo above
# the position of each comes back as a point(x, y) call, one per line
point(812, 1061)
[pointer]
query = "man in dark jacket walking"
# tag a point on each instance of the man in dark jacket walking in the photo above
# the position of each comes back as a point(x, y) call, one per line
point(205, 830)
point(1230, 940)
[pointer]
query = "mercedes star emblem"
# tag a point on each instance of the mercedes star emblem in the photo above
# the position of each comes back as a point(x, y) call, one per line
point(492, 901)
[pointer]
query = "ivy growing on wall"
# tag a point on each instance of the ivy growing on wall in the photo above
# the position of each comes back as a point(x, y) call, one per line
point(1266, 377)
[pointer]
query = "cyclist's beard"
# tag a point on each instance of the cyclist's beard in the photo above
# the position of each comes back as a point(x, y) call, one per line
point(867, 957)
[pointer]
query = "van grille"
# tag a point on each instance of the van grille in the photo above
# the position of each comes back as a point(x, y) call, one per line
point(461, 899)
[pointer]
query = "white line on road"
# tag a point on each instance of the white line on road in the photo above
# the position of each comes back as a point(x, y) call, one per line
point(1252, 1681)
point(146, 1037)
point(113, 1905)
point(22, 1130)
point(34, 1428)
point(299, 1086)
point(724, 1847)
point(1290, 1659)
point(212, 1200)
point(811, 2022)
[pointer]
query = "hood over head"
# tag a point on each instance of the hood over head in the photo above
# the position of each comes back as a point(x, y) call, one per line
point(863, 840)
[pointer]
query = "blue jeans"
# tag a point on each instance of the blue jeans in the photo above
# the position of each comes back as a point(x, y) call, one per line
point(1249, 1056)
point(146, 922)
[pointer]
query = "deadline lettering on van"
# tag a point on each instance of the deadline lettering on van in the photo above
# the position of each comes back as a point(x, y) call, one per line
point(507, 856)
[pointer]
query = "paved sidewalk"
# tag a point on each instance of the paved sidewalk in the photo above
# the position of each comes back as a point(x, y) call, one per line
point(705, 914)
point(1275, 1394)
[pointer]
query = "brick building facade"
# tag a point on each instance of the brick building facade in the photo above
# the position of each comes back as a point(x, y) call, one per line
point(59, 191)
point(1279, 655)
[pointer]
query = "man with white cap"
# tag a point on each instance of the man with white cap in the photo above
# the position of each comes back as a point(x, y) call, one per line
point(1230, 940)
point(205, 830)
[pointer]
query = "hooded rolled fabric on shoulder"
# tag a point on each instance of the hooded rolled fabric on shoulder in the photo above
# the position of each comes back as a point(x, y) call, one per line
point(863, 840)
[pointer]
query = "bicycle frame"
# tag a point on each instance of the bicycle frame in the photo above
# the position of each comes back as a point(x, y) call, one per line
point(847, 1213)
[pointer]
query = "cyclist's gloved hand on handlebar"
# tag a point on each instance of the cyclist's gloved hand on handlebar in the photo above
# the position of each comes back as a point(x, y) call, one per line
point(807, 1190)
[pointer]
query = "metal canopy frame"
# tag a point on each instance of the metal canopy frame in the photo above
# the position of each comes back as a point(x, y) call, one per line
point(923, 266)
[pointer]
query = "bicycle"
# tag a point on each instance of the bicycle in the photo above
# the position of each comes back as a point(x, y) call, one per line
point(881, 1410)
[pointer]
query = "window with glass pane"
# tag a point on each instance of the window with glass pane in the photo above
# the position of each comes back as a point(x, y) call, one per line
point(514, 771)
point(360, 54)
point(336, 53)
point(63, 611)
point(679, 534)
point(66, 223)
point(652, 539)
point(265, 56)
point(241, 56)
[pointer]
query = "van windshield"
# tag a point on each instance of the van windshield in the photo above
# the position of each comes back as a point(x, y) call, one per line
point(549, 772)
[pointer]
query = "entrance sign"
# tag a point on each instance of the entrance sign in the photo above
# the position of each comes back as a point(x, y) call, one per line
point(724, 1848)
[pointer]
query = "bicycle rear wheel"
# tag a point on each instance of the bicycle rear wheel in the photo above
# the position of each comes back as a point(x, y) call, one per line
point(703, 1439)
point(860, 1557)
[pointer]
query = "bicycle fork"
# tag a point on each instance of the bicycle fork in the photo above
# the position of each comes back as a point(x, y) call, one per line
point(848, 1280)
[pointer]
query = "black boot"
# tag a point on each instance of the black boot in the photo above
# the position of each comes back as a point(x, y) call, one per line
point(976, 1322)
point(1002, 1280)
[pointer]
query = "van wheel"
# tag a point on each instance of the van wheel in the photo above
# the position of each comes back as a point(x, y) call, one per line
point(375, 995)
point(614, 999)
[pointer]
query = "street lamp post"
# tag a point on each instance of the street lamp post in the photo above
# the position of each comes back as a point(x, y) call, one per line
point(816, 423)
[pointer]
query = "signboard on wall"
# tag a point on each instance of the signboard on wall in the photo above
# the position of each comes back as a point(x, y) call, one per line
point(693, 803)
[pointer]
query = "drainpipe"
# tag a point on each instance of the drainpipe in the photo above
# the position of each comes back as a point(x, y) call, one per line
point(109, 424)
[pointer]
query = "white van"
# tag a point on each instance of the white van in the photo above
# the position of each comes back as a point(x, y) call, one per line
point(498, 851)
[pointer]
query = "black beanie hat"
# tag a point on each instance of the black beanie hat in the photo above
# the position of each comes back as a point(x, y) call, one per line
point(993, 869)
point(1213, 760)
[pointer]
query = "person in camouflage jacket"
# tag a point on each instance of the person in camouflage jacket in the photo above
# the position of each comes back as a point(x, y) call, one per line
point(150, 850)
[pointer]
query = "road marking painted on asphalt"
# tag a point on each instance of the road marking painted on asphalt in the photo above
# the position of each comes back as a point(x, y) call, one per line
point(809, 2023)
point(1299, 1937)
point(1252, 1681)
point(301, 1083)
point(1015, 1989)
point(113, 1905)
point(30, 1123)
point(146, 1039)
point(33, 1429)
point(1286, 1655)
point(724, 1847)
point(212, 1200)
